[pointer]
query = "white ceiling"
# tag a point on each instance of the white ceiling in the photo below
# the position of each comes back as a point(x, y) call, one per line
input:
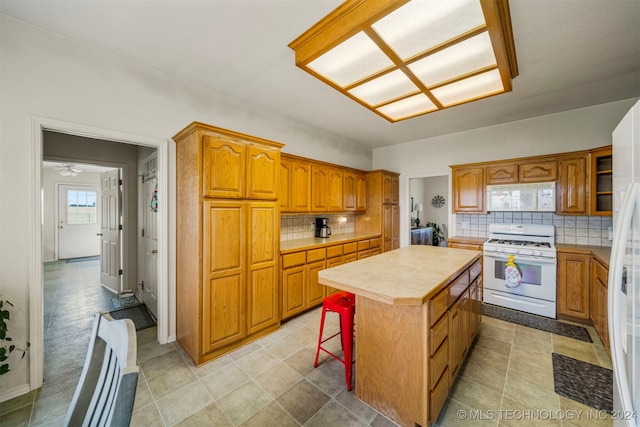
point(571, 54)
point(77, 166)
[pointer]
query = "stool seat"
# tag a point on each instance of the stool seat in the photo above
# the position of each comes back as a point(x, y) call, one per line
point(344, 304)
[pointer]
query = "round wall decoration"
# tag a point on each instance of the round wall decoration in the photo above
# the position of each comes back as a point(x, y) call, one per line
point(437, 201)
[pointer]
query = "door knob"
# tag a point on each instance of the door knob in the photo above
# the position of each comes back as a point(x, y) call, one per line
point(97, 234)
point(153, 251)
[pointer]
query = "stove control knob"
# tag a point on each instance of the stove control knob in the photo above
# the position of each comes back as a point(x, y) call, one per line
point(537, 253)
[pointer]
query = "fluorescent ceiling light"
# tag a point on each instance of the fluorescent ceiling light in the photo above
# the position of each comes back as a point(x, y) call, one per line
point(402, 58)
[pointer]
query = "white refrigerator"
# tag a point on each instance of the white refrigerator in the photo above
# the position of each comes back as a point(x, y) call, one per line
point(624, 271)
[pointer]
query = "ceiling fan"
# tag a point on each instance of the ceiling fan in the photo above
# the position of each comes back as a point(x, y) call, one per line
point(69, 170)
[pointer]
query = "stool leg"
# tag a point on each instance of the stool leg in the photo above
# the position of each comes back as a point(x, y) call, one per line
point(346, 326)
point(324, 312)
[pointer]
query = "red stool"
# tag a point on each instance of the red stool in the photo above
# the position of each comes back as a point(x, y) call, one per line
point(343, 303)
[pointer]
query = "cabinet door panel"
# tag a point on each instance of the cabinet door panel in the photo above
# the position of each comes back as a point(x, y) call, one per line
point(300, 187)
point(284, 195)
point(319, 188)
point(502, 174)
point(263, 293)
point(293, 291)
point(334, 184)
point(573, 285)
point(223, 251)
point(538, 172)
point(349, 191)
point(468, 189)
point(223, 311)
point(572, 186)
point(263, 167)
point(315, 291)
point(361, 193)
point(223, 168)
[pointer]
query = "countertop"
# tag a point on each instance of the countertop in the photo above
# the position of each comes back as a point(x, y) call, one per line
point(405, 276)
point(603, 253)
point(288, 246)
point(472, 240)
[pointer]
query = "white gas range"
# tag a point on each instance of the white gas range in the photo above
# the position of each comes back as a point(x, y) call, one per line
point(530, 284)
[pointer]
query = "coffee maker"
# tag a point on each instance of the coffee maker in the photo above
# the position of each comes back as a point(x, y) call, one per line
point(322, 227)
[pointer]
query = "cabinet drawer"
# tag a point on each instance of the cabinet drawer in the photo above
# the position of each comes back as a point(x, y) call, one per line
point(375, 243)
point(475, 270)
point(334, 251)
point(290, 260)
point(363, 245)
point(350, 258)
point(316, 255)
point(349, 248)
point(438, 306)
point(458, 286)
point(438, 396)
point(438, 333)
point(438, 364)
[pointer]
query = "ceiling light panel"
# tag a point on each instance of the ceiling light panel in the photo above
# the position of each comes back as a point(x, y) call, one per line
point(421, 25)
point(402, 58)
point(409, 107)
point(385, 88)
point(471, 55)
point(479, 86)
point(352, 60)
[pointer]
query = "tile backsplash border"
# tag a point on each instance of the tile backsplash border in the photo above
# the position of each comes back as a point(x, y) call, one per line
point(576, 230)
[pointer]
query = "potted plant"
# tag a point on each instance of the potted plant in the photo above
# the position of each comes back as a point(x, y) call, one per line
point(437, 233)
point(7, 346)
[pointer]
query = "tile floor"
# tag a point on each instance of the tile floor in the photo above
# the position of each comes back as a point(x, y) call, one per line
point(507, 380)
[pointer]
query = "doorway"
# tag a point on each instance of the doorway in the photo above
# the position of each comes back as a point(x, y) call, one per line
point(40, 126)
point(428, 199)
point(77, 221)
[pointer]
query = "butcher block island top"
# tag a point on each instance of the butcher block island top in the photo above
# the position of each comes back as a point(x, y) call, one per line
point(417, 314)
point(407, 276)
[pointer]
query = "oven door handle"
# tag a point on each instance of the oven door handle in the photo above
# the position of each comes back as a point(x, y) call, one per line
point(505, 256)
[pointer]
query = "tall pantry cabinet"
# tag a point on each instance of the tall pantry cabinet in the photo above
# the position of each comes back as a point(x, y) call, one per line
point(228, 239)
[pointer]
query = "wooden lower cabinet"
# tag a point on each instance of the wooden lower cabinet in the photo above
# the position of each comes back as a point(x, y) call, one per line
point(573, 285)
point(599, 292)
point(300, 288)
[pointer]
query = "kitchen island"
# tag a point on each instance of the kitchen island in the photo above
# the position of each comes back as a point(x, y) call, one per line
point(417, 313)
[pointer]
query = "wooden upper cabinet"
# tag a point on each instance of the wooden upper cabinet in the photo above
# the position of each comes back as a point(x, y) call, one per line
point(300, 190)
point(285, 184)
point(543, 171)
point(262, 172)
point(334, 184)
point(390, 188)
point(572, 186)
point(320, 188)
point(223, 167)
point(354, 191)
point(502, 174)
point(468, 189)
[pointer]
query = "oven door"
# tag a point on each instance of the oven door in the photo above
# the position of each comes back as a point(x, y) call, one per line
point(538, 275)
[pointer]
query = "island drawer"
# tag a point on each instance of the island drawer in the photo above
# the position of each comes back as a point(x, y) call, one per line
point(438, 396)
point(375, 243)
point(438, 306)
point(438, 333)
point(334, 251)
point(458, 286)
point(349, 248)
point(316, 255)
point(363, 245)
point(475, 270)
point(290, 260)
point(438, 364)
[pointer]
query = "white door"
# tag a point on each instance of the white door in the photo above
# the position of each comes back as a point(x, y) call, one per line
point(150, 244)
point(110, 230)
point(78, 221)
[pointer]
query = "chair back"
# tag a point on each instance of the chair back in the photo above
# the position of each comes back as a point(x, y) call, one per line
point(106, 391)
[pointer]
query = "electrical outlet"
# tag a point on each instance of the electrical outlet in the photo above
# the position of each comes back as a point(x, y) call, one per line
point(465, 224)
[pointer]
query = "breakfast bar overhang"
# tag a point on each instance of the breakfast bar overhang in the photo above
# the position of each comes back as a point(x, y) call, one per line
point(417, 313)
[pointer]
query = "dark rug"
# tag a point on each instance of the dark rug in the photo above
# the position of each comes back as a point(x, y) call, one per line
point(139, 314)
point(119, 303)
point(583, 382)
point(87, 258)
point(536, 322)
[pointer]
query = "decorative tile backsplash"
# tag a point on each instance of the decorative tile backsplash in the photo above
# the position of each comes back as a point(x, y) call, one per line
point(303, 226)
point(578, 230)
